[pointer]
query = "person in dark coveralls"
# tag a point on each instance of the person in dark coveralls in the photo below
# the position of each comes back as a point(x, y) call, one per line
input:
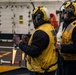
point(67, 47)
point(41, 51)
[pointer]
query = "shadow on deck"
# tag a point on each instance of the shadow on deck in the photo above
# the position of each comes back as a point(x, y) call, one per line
point(21, 71)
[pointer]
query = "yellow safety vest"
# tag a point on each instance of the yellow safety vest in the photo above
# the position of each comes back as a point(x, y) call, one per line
point(48, 57)
point(67, 39)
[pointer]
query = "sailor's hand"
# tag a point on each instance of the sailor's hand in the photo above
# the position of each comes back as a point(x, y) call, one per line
point(58, 46)
point(24, 38)
point(16, 39)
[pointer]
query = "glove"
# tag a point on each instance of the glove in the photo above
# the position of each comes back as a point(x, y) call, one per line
point(16, 39)
point(24, 39)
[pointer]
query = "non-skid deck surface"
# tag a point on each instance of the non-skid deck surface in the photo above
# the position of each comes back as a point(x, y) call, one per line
point(6, 58)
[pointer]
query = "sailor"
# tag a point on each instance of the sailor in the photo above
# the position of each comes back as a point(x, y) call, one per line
point(41, 51)
point(67, 47)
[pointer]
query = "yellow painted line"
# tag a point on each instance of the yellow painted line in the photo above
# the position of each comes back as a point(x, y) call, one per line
point(7, 68)
point(7, 53)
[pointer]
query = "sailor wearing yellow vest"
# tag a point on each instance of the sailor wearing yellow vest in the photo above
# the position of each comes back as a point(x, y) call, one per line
point(68, 40)
point(41, 51)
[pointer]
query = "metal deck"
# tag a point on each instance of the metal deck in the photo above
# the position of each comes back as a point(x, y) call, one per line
point(21, 71)
point(6, 66)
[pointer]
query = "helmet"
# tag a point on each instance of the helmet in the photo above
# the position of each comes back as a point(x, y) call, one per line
point(40, 15)
point(70, 9)
point(62, 7)
point(61, 11)
point(74, 7)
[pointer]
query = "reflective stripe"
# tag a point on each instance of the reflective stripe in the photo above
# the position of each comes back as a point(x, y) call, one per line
point(53, 32)
point(68, 28)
